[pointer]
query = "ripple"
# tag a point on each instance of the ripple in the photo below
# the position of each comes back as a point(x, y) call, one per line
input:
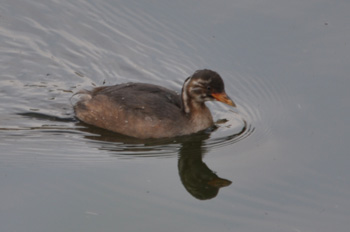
point(53, 58)
point(228, 132)
point(225, 139)
point(261, 102)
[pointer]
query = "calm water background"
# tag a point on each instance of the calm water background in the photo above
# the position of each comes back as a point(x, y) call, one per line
point(286, 64)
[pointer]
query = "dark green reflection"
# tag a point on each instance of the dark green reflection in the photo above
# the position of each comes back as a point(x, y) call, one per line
point(199, 180)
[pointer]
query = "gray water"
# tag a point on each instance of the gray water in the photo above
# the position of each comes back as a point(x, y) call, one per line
point(281, 159)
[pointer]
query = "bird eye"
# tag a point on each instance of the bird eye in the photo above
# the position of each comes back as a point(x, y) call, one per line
point(208, 88)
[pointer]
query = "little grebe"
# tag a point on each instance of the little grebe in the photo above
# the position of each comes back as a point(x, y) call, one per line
point(150, 111)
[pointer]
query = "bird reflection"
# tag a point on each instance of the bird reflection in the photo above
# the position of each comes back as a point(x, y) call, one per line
point(199, 180)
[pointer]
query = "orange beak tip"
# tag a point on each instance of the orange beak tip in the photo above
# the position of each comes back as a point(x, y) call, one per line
point(222, 97)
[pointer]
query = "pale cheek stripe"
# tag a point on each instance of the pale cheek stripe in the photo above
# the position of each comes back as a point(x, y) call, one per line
point(185, 97)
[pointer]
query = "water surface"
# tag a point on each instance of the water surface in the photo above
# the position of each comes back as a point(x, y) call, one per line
point(277, 163)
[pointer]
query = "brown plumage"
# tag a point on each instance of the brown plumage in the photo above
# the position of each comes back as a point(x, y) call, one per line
point(150, 111)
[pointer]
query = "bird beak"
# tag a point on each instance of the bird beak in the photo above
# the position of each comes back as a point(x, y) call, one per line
point(223, 98)
point(219, 182)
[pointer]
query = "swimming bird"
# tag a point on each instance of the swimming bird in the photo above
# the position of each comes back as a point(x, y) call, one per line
point(144, 110)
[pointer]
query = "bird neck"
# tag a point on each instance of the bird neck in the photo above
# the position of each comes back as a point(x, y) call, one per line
point(185, 98)
point(189, 105)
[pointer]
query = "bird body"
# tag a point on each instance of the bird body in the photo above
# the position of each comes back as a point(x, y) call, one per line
point(150, 111)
